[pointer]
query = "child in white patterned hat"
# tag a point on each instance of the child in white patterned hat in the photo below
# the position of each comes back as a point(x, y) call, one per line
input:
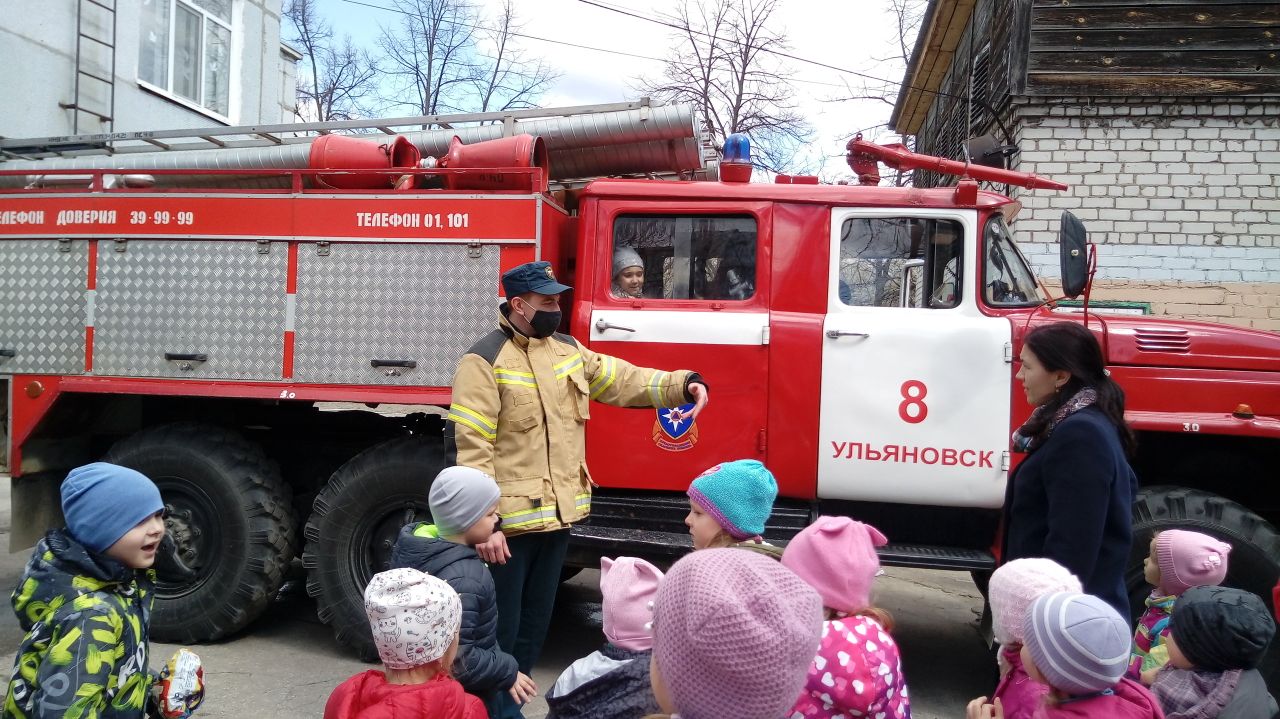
point(415, 619)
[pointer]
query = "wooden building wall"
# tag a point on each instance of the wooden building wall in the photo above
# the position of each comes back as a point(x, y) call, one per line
point(1098, 49)
point(979, 84)
point(1150, 48)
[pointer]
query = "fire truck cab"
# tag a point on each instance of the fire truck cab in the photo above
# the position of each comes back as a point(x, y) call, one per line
point(199, 322)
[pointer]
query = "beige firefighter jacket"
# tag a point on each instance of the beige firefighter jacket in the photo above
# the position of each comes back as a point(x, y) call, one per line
point(518, 412)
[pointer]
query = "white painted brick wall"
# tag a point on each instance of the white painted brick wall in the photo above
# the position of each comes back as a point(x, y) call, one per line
point(1166, 261)
point(1181, 191)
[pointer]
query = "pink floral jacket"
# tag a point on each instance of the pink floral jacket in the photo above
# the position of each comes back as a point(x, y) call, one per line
point(857, 669)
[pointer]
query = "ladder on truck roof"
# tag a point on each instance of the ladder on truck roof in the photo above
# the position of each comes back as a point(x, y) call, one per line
point(119, 143)
point(583, 142)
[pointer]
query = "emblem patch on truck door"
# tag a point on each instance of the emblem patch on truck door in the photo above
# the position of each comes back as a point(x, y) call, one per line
point(675, 434)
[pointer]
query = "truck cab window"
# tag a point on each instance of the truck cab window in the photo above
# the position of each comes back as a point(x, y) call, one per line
point(1008, 280)
point(684, 257)
point(900, 262)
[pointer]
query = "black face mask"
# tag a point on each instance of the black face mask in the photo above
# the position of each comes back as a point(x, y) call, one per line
point(544, 323)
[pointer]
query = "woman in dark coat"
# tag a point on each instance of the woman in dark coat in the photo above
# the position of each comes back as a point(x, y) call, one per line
point(1071, 499)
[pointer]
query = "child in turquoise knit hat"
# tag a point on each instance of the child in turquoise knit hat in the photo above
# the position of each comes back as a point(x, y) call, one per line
point(729, 504)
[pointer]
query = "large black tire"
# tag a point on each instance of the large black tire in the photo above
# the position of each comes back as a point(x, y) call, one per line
point(230, 514)
point(1254, 562)
point(354, 524)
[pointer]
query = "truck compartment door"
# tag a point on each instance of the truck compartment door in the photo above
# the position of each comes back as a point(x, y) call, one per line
point(190, 308)
point(44, 301)
point(384, 314)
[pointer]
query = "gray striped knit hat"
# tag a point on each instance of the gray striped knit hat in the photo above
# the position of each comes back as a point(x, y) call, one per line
point(1078, 642)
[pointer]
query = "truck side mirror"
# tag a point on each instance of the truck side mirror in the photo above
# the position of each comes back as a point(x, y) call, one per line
point(1073, 254)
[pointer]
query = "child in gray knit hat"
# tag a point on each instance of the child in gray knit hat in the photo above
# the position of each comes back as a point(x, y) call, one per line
point(628, 273)
point(1078, 646)
point(1217, 636)
point(464, 507)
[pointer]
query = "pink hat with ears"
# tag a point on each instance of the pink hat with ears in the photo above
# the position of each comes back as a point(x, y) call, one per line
point(629, 586)
point(837, 557)
point(1189, 559)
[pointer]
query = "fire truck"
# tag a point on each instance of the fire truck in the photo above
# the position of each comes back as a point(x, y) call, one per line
point(224, 310)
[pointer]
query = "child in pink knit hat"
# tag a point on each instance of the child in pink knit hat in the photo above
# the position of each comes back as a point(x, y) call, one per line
point(857, 670)
point(1178, 561)
point(733, 635)
point(1013, 588)
point(615, 680)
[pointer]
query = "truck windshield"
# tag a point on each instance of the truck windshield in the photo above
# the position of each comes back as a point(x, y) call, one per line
point(1007, 280)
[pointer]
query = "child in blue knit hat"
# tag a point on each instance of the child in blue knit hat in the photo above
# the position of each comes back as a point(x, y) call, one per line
point(729, 505)
point(85, 599)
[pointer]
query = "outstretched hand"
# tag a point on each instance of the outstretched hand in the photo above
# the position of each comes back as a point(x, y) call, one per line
point(700, 399)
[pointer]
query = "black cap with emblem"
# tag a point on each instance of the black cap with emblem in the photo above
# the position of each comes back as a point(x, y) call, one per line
point(531, 277)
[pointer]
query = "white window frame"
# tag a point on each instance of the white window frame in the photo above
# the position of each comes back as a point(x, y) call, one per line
point(168, 92)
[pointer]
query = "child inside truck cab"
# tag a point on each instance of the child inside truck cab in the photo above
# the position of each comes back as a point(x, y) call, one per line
point(729, 505)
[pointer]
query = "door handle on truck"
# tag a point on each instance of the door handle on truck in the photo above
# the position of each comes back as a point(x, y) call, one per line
point(405, 364)
point(837, 334)
point(601, 326)
point(394, 368)
point(6, 354)
point(187, 361)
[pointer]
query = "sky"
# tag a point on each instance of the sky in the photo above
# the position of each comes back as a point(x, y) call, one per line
point(854, 35)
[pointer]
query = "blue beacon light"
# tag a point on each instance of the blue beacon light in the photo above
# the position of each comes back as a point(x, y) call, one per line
point(735, 163)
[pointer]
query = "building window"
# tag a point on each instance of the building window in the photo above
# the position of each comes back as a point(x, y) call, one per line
point(186, 50)
point(979, 90)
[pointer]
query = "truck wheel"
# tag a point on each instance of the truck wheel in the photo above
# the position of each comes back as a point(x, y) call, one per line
point(1254, 562)
point(229, 514)
point(354, 524)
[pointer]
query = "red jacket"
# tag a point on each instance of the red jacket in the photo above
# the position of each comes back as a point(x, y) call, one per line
point(1275, 600)
point(369, 696)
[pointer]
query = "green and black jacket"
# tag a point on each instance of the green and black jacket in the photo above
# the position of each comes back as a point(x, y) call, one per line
point(85, 652)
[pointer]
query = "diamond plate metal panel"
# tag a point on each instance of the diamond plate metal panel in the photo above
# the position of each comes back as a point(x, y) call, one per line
point(426, 303)
point(42, 306)
point(223, 299)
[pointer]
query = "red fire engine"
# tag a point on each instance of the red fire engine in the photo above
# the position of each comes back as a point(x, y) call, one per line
point(195, 313)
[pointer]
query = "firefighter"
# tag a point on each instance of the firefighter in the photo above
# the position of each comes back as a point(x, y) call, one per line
point(521, 396)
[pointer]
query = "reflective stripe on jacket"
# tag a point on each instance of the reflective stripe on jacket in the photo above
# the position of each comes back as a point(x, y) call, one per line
point(518, 412)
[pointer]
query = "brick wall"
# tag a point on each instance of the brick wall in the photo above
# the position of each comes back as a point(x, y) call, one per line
point(1180, 196)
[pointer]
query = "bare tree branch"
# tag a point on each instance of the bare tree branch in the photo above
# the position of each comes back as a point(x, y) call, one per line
point(723, 64)
point(430, 54)
point(908, 15)
point(335, 77)
point(444, 56)
point(509, 79)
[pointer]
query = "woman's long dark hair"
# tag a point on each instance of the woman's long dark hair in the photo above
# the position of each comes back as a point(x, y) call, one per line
point(1069, 346)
